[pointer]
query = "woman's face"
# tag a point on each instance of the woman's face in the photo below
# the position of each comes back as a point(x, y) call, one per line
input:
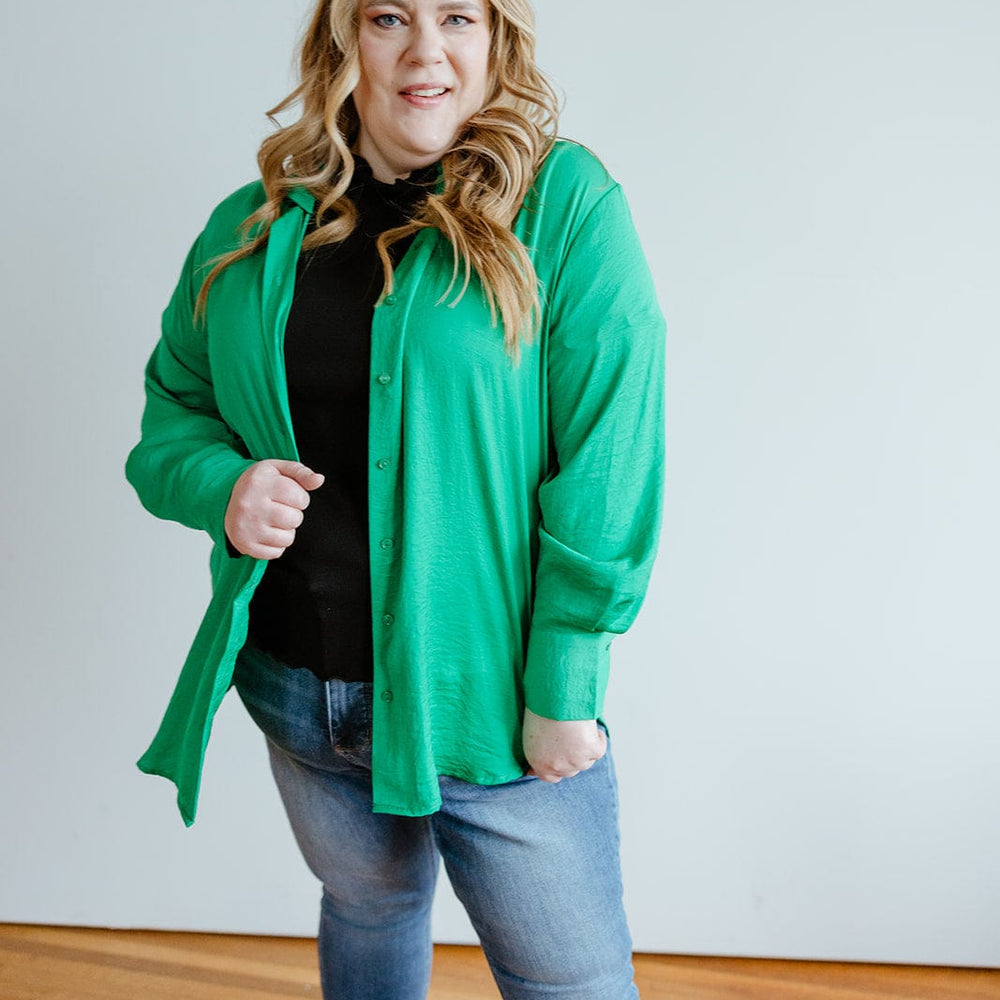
point(424, 74)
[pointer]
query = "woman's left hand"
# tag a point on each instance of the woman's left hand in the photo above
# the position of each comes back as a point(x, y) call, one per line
point(558, 749)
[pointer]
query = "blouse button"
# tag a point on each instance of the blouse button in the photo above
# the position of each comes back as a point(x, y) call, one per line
point(387, 543)
point(383, 463)
point(388, 619)
point(384, 378)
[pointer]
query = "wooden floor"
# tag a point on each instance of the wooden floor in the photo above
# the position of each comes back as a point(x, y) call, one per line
point(50, 963)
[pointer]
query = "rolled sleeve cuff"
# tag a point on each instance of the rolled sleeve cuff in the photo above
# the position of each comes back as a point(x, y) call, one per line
point(566, 673)
point(215, 500)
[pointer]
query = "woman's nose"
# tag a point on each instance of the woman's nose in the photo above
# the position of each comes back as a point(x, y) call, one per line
point(426, 45)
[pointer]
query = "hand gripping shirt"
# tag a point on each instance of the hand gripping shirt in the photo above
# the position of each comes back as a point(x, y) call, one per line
point(513, 508)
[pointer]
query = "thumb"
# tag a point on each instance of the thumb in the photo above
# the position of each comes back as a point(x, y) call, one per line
point(302, 474)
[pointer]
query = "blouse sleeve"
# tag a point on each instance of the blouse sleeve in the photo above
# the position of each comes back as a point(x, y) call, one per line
point(601, 505)
point(188, 458)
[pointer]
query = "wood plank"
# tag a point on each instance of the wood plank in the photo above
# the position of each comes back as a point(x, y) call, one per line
point(80, 964)
point(68, 963)
point(688, 978)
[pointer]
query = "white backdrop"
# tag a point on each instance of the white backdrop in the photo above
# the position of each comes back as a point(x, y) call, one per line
point(805, 717)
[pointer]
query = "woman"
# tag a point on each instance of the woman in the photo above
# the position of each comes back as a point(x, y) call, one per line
point(420, 362)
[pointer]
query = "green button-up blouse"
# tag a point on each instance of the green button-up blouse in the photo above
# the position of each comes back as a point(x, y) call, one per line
point(513, 508)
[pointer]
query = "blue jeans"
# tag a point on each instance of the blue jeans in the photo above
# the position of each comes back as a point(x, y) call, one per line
point(535, 865)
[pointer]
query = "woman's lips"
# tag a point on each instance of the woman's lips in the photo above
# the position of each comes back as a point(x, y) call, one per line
point(425, 95)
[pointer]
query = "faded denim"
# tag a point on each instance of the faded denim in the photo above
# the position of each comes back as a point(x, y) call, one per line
point(536, 865)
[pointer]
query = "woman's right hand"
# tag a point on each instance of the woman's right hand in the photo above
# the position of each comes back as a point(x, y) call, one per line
point(266, 507)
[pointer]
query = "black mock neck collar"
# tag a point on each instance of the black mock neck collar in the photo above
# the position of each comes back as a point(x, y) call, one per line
point(402, 191)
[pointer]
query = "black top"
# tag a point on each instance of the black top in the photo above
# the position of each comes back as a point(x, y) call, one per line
point(313, 606)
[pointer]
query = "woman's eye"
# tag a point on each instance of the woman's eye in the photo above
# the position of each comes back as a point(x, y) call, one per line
point(456, 19)
point(387, 20)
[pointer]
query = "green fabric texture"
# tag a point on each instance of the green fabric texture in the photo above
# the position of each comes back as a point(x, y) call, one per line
point(513, 508)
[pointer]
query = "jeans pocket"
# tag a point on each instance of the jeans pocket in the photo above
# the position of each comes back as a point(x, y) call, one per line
point(350, 720)
point(285, 703)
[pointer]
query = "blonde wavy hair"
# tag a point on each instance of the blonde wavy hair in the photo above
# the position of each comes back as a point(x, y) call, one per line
point(485, 175)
